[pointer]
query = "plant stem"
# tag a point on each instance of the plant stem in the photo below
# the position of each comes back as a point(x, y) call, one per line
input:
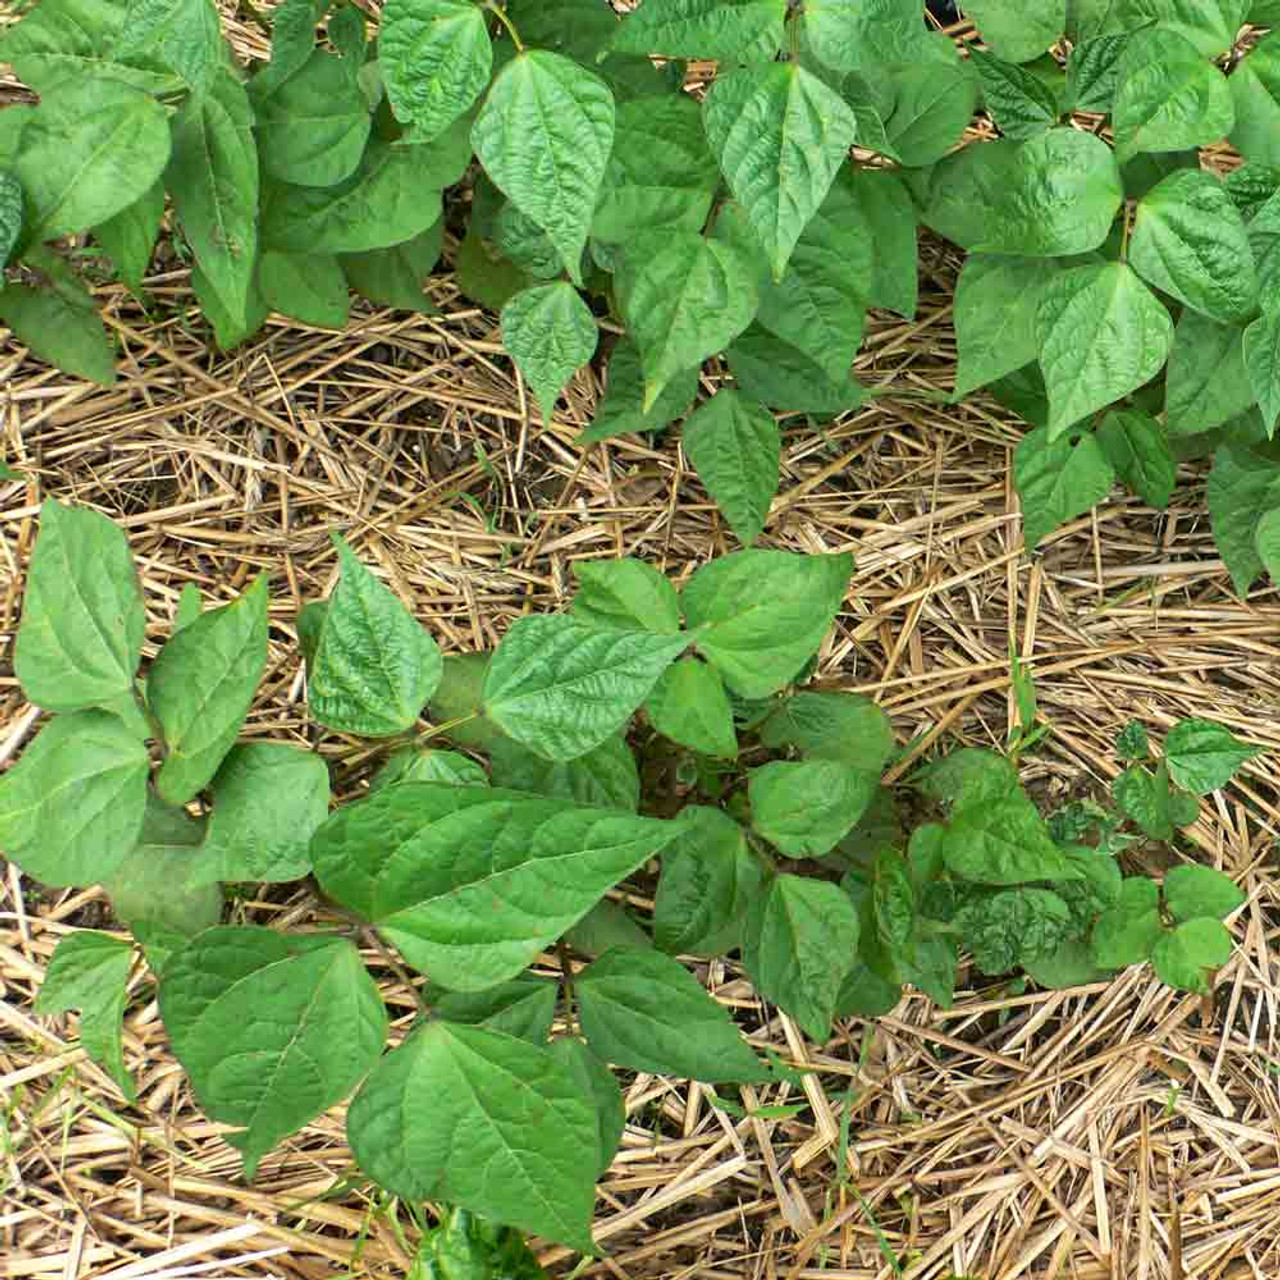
point(501, 14)
point(441, 729)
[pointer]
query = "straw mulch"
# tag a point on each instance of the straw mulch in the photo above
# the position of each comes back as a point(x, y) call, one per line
point(1121, 1130)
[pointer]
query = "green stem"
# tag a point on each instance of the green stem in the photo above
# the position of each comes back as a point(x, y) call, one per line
point(441, 729)
point(501, 14)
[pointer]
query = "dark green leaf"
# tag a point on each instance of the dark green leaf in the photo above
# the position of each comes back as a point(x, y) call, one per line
point(783, 377)
point(1266, 542)
point(1016, 31)
point(426, 764)
point(550, 333)
point(293, 38)
point(524, 1007)
point(891, 218)
point(605, 926)
point(622, 408)
point(1261, 349)
point(625, 593)
point(806, 806)
point(832, 726)
point(183, 34)
point(604, 777)
point(307, 286)
point(129, 237)
point(1127, 932)
point(1058, 480)
point(1019, 102)
point(932, 105)
point(1203, 756)
point(1070, 965)
point(726, 30)
point(1250, 186)
point(597, 1082)
point(1135, 445)
point(1243, 486)
point(457, 702)
point(689, 705)
point(1206, 383)
point(968, 778)
point(847, 35)
point(1093, 72)
point(60, 323)
point(996, 301)
point(397, 275)
point(1147, 799)
point(1255, 96)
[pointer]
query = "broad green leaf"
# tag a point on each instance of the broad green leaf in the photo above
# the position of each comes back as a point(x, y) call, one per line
point(1126, 933)
point(428, 764)
point(1243, 486)
point(1050, 196)
point(779, 135)
point(709, 879)
point(87, 152)
point(1135, 445)
point(1004, 842)
point(1264, 239)
point(1102, 334)
point(1058, 480)
point(374, 666)
point(690, 706)
point(848, 35)
point(213, 178)
point(1206, 383)
point(806, 807)
point(1017, 100)
point(606, 926)
point(183, 34)
point(598, 1083)
point(312, 130)
point(735, 447)
point(1250, 187)
point(129, 237)
point(72, 807)
point(544, 135)
point(832, 726)
point(519, 1113)
point(1017, 31)
point(1255, 96)
point(525, 243)
point(684, 298)
point(436, 58)
point(1008, 928)
point(786, 379)
point(293, 40)
point(471, 883)
point(996, 301)
point(1203, 756)
point(229, 330)
point(397, 275)
point(484, 275)
point(970, 777)
point(891, 217)
point(1189, 241)
point(200, 689)
point(1093, 72)
point(89, 971)
point(625, 593)
point(272, 1029)
point(1261, 349)
point(1071, 965)
point(864, 993)
point(1186, 957)
point(465, 1245)
point(1192, 892)
point(1210, 25)
point(604, 777)
point(933, 104)
point(562, 687)
point(524, 1007)
point(801, 940)
point(727, 30)
point(83, 620)
point(11, 207)
point(1168, 96)
point(1148, 799)
point(59, 321)
point(646, 1011)
point(550, 333)
point(307, 286)
point(622, 409)
point(457, 702)
point(760, 615)
point(1266, 542)
point(347, 33)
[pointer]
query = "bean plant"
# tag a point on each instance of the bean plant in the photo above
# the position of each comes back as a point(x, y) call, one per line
point(669, 739)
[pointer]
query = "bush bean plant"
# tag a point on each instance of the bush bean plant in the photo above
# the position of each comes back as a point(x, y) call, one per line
point(589, 167)
point(670, 739)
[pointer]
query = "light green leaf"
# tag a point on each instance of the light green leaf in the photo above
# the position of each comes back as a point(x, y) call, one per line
point(71, 808)
point(726, 30)
point(933, 104)
point(996, 301)
point(622, 408)
point(1186, 957)
point(1102, 334)
point(1261, 349)
point(891, 219)
point(83, 620)
point(269, 1076)
point(200, 689)
point(544, 135)
point(783, 377)
point(1126, 933)
point(307, 286)
point(1206, 383)
point(1243, 486)
point(550, 333)
point(690, 706)
point(1255, 96)
point(597, 1082)
point(970, 777)
point(293, 40)
point(1058, 480)
point(604, 777)
point(397, 275)
point(471, 883)
point(1210, 25)
point(625, 593)
point(848, 35)
point(1004, 842)
point(801, 940)
point(562, 687)
point(183, 34)
point(228, 331)
point(374, 666)
point(805, 807)
point(779, 135)
point(646, 1011)
point(832, 726)
point(1016, 31)
point(762, 614)
point(428, 764)
point(59, 321)
point(436, 59)
point(524, 1007)
point(1017, 100)
point(519, 1112)
point(1138, 451)
point(129, 237)
point(1203, 756)
point(89, 971)
point(1193, 891)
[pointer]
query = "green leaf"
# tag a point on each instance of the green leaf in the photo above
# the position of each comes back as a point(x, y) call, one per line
point(726, 30)
point(968, 778)
point(550, 333)
point(1243, 486)
point(519, 1112)
point(71, 808)
point(597, 1082)
point(1132, 742)
point(270, 1075)
point(484, 275)
point(229, 331)
point(1206, 383)
point(213, 178)
point(1050, 196)
point(779, 135)
point(347, 34)
point(1016, 31)
point(933, 104)
point(1071, 965)
point(1186, 957)
point(1126, 933)
point(690, 706)
point(544, 135)
point(1017, 100)
point(625, 593)
point(606, 926)
point(1008, 928)
point(183, 34)
point(1203, 756)
point(849, 35)
point(604, 777)
point(129, 237)
point(396, 276)
point(1168, 96)
point(1135, 445)
point(762, 614)
point(374, 666)
point(1261, 350)
point(89, 971)
point(1192, 892)
point(464, 1245)
point(1093, 72)
point(1102, 334)
point(436, 58)
point(684, 298)
point(622, 409)
point(1255, 94)
point(805, 807)
point(562, 687)
point(996, 301)
point(524, 1007)
point(735, 447)
point(891, 219)
point(83, 620)
point(832, 726)
point(1250, 187)
point(457, 702)
point(11, 208)
point(783, 377)
point(471, 883)
point(1263, 229)
point(1058, 480)
point(801, 941)
point(709, 879)
point(427, 764)
point(307, 286)
point(293, 39)
point(1210, 25)
point(1004, 842)
point(200, 689)
point(1148, 799)
point(1266, 542)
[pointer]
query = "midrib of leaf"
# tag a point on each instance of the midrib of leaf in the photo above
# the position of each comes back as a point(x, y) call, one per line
point(207, 106)
point(74, 185)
